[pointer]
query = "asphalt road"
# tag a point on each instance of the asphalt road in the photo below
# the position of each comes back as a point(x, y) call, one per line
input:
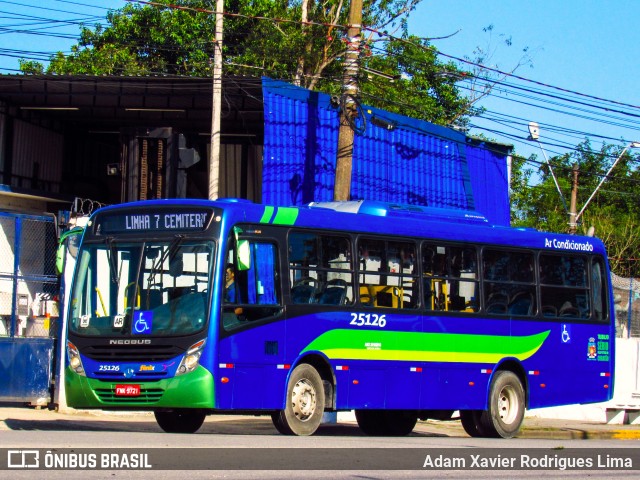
point(250, 447)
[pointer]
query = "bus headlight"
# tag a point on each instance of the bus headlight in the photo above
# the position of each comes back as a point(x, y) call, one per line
point(192, 358)
point(74, 359)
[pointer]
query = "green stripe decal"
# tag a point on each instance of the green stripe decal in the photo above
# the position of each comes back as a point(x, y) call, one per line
point(266, 216)
point(286, 216)
point(425, 347)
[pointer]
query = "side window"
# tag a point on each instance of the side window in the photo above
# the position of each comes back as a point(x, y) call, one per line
point(509, 282)
point(563, 286)
point(320, 269)
point(251, 293)
point(387, 273)
point(599, 291)
point(450, 278)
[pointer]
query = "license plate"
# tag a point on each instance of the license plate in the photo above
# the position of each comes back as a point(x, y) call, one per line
point(127, 390)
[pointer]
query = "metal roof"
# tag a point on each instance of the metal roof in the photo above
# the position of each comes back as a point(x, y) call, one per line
point(115, 102)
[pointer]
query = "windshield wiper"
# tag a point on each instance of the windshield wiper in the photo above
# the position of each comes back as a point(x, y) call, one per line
point(111, 253)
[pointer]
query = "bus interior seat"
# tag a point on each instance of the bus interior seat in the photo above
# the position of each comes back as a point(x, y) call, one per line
point(568, 310)
point(304, 291)
point(549, 311)
point(334, 293)
point(365, 296)
point(497, 303)
point(521, 304)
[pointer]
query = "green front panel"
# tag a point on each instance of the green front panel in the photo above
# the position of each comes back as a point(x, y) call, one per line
point(192, 390)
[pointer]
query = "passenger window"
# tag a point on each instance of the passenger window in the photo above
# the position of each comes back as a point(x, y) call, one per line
point(450, 278)
point(598, 291)
point(563, 286)
point(509, 282)
point(320, 269)
point(387, 274)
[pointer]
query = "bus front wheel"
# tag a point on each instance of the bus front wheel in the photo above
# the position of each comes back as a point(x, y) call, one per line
point(304, 405)
point(180, 421)
point(505, 413)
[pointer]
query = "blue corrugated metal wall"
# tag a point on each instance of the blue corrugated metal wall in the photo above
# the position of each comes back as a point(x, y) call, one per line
point(415, 162)
point(490, 179)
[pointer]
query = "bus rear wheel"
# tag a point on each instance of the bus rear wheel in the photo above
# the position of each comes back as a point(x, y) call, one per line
point(470, 420)
point(180, 421)
point(390, 423)
point(505, 413)
point(304, 405)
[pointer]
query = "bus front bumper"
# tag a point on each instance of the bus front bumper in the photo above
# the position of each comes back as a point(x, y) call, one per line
point(191, 390)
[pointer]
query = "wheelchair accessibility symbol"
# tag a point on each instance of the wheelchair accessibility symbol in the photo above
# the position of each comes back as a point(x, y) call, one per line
point(566, 338)
point(143, 322)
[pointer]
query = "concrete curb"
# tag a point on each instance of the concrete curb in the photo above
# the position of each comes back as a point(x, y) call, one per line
point(573, 434)
point(548, 429)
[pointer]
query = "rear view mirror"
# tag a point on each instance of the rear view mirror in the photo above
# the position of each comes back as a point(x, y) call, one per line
point(68, 242)
point(244, 255)
point(176, 265)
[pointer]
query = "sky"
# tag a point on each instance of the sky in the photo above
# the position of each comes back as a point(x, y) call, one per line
point(584, 46)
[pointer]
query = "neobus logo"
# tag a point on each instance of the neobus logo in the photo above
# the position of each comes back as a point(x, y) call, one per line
point(130, 342)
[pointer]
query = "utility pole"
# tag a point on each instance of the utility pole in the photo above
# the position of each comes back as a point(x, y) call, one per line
point(216, 105)
point(342, 187)
point(573, 222)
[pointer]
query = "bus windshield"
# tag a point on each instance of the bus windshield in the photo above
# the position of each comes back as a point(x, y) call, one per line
point(133, 289)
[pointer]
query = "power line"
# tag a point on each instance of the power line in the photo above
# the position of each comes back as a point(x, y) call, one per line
point(83, 4)
point(531, 93)
point(41, 8)
point(512, 75)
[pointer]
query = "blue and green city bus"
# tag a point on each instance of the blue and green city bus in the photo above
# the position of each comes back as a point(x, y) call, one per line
point(192, 307)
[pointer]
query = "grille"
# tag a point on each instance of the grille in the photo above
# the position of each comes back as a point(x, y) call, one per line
point(147, 395)
point(132, 353)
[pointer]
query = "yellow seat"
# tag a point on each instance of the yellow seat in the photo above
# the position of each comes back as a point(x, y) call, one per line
point(366, 298)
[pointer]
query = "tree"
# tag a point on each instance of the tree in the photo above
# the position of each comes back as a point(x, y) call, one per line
point(413, 65)
point(614, 211)
point(301, 41)
point(141, 40)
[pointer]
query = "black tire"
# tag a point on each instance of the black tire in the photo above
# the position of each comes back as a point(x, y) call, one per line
point(180, 421)
point(389, 423)
point(400, 423)
point(470, 420)
point(304, 405)
point(370, 422)
point(505, 412)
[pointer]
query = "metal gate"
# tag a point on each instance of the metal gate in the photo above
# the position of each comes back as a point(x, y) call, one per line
point(28, 307)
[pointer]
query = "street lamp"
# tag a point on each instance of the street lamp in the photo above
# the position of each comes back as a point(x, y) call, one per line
point(631, 145)
point(534, 134)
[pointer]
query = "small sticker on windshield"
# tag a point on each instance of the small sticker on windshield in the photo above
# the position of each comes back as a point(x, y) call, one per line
point(118, 321)
point(84, 321)
point(143, 322)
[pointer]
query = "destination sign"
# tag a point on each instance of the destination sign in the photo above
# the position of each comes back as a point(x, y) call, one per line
point(155, 221)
